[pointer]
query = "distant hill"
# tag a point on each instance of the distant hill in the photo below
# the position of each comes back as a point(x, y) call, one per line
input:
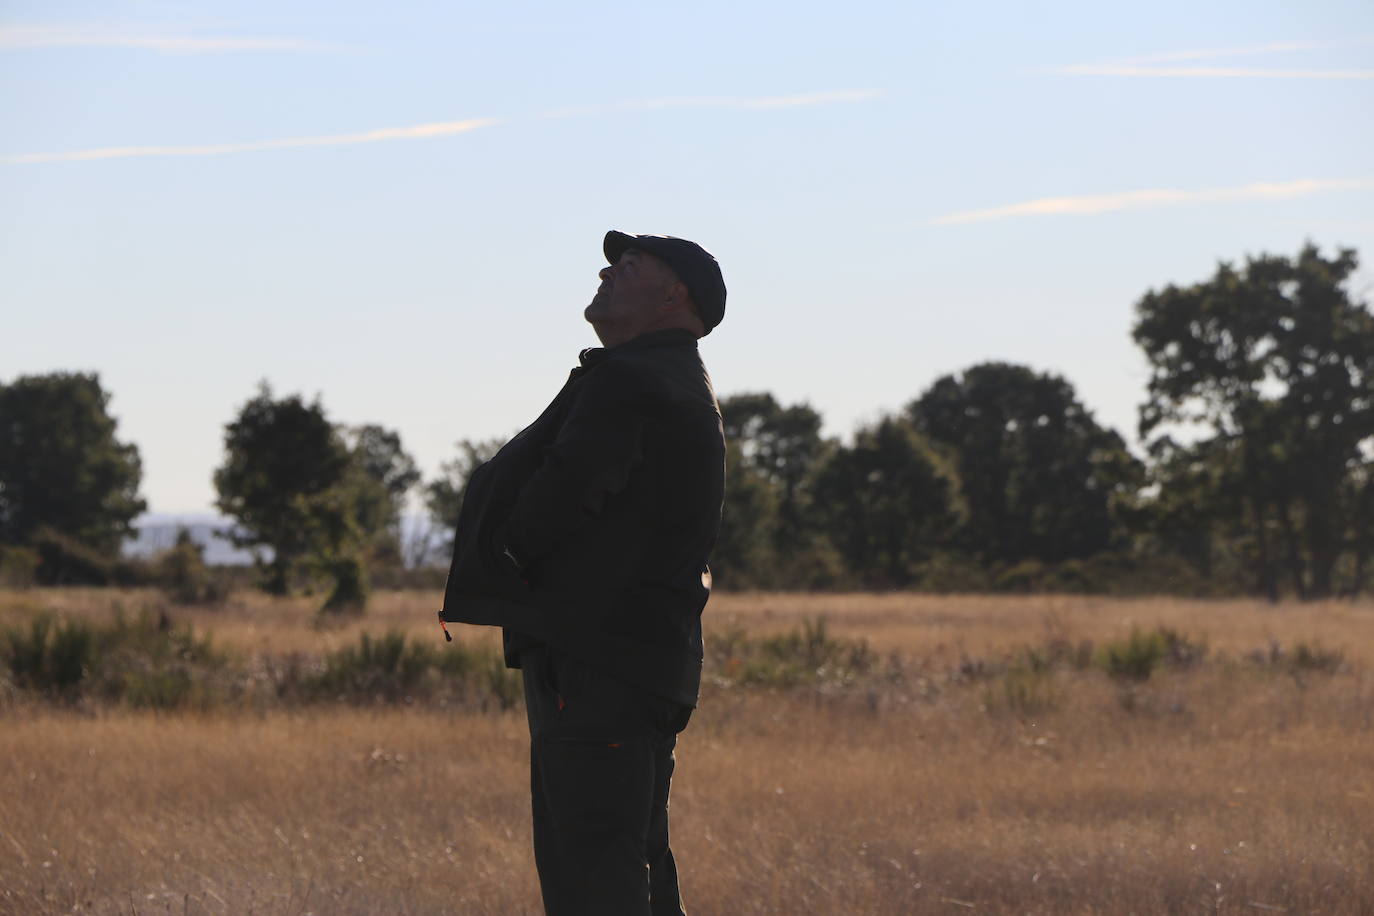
point(157, 532)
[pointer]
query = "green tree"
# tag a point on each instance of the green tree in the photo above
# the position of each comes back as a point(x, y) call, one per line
point(61, 466)
point(284, 480)
point(887, 502)
point(775, 449)
point(783, 444)
point(1192, 500)
point(1273, 365)
point(1038, 476)
point(443, 496)
point(382, 475)
point(743, 556)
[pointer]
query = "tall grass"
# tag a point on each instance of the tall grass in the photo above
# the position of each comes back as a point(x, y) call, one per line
point(881, 758)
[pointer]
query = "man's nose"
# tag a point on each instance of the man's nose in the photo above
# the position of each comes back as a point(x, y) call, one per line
point(605, 272)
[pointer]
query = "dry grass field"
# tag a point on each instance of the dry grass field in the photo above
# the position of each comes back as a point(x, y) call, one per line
point(978, 758)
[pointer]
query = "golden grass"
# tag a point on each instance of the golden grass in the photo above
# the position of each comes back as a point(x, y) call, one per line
point(1224, 788)
point(988, 624)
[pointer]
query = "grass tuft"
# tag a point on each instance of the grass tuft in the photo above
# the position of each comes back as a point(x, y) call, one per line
point(1137, 657)
point(807, 655)
point(51, 656)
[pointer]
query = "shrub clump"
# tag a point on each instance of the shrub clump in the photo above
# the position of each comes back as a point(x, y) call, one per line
point(1023, 691)
point(18, 566)
point(385, 666)
point(1137, 657)
point(808, 655)
point(392, 669)
point(181, 573)
point(1303, 658)
point(146, 662)
point(51, 656)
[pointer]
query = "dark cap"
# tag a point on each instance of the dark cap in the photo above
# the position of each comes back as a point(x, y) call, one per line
point(694, 265)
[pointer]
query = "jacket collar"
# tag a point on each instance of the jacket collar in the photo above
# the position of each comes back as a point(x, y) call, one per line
point(671, 337)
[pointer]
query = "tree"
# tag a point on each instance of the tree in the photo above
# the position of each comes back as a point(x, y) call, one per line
point(772, 539)
point(284, 481)
point(444, 495)
point(61, 466)
point(886, 501)
point(1273, 364)
point(1037, 474)
point(743, 556)
point(784, 444)
point(1194, 497)
point(382, 475)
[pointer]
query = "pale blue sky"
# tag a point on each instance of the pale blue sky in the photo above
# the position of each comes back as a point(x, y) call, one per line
point(399, 207)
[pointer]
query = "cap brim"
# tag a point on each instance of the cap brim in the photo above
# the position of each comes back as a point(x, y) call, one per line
point(616, 244)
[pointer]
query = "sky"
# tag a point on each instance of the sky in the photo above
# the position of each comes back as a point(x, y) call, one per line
point(398, 208)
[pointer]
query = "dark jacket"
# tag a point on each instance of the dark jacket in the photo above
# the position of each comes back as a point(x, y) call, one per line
point(589, 531)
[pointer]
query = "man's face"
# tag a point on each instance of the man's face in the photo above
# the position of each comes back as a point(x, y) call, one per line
point(628, 298)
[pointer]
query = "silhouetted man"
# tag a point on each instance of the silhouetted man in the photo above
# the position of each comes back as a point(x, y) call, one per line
point(586, 539)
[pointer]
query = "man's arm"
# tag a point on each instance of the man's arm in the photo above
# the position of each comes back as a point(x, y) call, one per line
point(597, 448)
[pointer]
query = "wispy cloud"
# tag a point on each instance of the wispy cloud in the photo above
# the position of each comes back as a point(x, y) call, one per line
point(439, 129)
point(723, 102)
point(1273, 47)
point(1167, 64)
point(93, 36)
point(1092, 204)
point(776, 101)
point(1215, 72)
point(414, 132)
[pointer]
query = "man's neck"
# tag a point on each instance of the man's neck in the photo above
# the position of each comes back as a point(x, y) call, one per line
point(611, 338)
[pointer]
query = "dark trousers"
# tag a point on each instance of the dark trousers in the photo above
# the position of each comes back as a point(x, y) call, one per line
point(601, 765)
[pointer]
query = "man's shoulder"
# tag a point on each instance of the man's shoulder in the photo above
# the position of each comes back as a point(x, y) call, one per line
point(670, 372)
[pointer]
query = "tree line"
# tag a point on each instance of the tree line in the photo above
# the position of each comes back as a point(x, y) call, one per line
point(1255, 474)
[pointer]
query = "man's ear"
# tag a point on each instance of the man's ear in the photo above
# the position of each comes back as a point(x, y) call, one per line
point(676, 295)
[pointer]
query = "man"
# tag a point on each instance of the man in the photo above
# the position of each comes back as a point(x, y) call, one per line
point(585, 538)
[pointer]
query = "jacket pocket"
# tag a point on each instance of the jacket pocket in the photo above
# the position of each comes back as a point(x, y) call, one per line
point(568, 677)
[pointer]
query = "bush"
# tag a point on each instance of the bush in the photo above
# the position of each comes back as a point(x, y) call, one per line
point(808, 655)
point(181, 573)
point(1023, 692)
point(150, 662)
point(64, 560)
point(385, 666)
point(164, 688)
point(1137, 657)
point(947, 573)
point(144, 662)
point(351, 590)
point(1316, 658)
point(815, 566)
point(1302, 659)
point(499, 683)
point(1056, 653)
point(51, 656)
point(18, 566)
point(1026, 576)
point(391, 669)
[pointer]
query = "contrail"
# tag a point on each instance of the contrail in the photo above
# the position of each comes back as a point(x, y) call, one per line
point(44, 36)
point(722, 102)
point(1273, 47)
point(1091, 204)
point(779, 101)
point(415, 132)
point(1150, 65)
point(1214, 72)
point(439, 129)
